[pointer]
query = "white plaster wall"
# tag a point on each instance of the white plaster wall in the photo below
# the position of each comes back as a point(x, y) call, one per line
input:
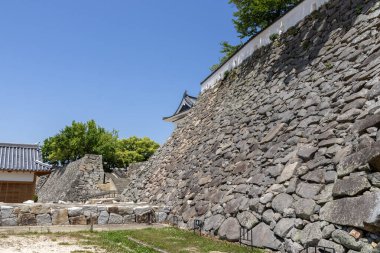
point(16, 176)
point(282, 25)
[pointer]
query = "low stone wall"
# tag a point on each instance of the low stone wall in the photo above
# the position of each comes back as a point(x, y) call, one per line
point(56, 214)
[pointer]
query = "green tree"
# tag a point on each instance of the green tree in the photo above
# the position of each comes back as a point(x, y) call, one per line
point(134, 150)
point(251, 17)
point(74, 141)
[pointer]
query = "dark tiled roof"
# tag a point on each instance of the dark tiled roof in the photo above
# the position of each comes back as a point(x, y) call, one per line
point(186, 104)
point(22, 157)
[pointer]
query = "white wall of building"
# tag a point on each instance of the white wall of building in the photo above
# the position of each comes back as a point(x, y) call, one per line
point(16, 176)
point(282, 25)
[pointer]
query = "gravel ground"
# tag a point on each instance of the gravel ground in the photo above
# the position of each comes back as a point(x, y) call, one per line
point(43, 244)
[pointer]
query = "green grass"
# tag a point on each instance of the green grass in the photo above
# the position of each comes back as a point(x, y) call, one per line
point(176, 241)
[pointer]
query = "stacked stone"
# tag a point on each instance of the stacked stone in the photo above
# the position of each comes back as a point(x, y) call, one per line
point(74, 182)
point(287, 144)
point(52, 214)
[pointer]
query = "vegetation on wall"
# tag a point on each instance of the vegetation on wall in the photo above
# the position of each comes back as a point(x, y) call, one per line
point(251, 17)
point(78, 139)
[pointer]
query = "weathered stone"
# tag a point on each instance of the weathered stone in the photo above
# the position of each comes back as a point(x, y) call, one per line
point(292, 247)
point(205, 180)
point(306, 152)
point(43, 219)
point(308, 191)
point(247, 219)
point(287, 172)
point(329, 244)
point(351, 186)
point(74, 211)
point(27, 219)
point(60, 217)
point(78, 220)
point(9, 222)
point(284, 226)
point(353, 162)
point(230, 230)
point(315, 176)
point(369, 121)
point(213, 222)
point(103, 218)
point(311, 234)
point(375, 179)
point(6, 212)
point(343, 238)
point(282, 201)
point(160, 217)
point(264, 237)
point(304, 208)
point(361, 212)
point(115, 219)
point(327, 231)
point(273, 133)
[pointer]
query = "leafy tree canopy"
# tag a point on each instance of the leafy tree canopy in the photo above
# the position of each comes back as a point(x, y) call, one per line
point(78, 139)
point(251, 17)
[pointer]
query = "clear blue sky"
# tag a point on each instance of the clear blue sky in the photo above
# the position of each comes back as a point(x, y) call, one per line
point(123, 63)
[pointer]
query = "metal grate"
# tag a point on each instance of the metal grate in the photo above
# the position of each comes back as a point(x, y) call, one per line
point(246, 236)
point(198, 225)
point(318, 249)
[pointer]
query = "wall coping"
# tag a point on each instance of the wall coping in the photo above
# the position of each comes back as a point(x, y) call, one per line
point(290, 19)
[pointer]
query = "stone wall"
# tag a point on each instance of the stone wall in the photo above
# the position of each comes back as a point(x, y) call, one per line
point(55, 214)
point(73, 182)
point(287, 144)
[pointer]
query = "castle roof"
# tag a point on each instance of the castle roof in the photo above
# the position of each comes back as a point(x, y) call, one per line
point(185, 105)
point(22, 157)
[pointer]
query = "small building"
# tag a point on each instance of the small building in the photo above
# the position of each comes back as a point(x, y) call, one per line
point(20, 164)
point(183, 109)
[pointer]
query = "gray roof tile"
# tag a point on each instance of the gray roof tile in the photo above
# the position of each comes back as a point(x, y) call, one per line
point(22, 157)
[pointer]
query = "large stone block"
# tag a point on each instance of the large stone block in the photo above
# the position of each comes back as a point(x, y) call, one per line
point(213, 222)
point(27, 219)
point(78, 220)
point(230, 230)
point(264, 237)
point(354, 161)
point(351, 186)
point(361, 212)
point(103, 218)
point(115, 219)
point(370, 121)
point(60, 217)
point(43, 219)
point(282, 201)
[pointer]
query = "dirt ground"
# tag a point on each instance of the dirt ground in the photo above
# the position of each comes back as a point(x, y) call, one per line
point(43, 244)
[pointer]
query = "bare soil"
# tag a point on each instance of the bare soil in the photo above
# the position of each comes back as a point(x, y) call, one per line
point(43, 244)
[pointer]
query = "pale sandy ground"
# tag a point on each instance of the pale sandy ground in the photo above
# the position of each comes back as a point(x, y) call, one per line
point(43, 244)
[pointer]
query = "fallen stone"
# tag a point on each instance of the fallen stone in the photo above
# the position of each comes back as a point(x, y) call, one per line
point(230, 230)
point(351, 186)
point(361, 212)
point(264, 237)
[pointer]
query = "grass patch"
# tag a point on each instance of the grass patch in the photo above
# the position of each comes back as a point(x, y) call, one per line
point(181, 241)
